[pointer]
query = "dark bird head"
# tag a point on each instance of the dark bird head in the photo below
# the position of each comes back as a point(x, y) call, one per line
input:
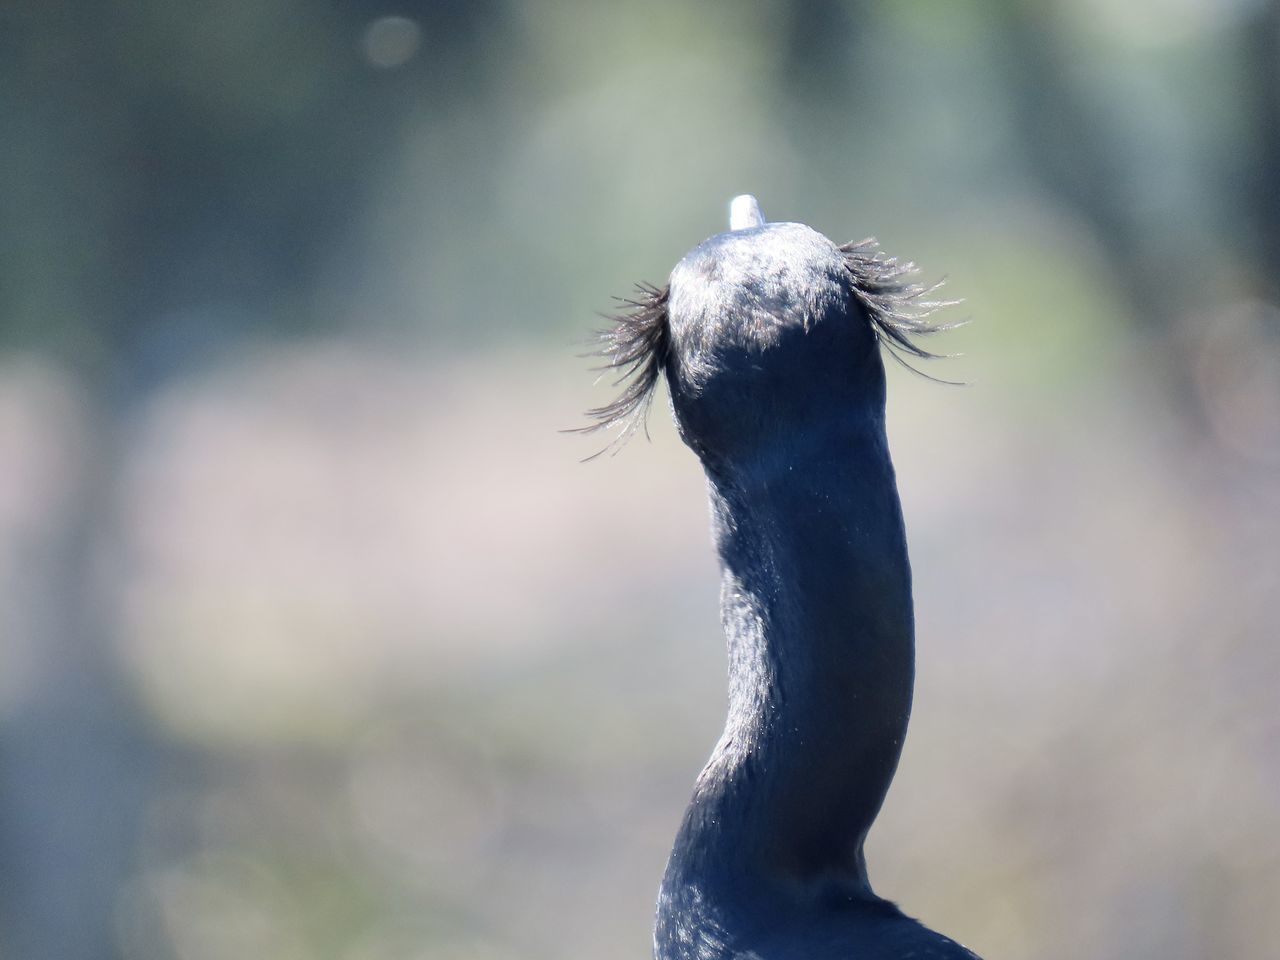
point(762, 332)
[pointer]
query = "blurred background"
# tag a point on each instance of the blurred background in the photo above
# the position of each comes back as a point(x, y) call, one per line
point(318, 641)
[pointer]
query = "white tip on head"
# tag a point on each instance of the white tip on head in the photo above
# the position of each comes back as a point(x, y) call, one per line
point(744, 212)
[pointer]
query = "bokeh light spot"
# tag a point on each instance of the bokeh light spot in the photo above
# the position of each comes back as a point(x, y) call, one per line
point(391, 42)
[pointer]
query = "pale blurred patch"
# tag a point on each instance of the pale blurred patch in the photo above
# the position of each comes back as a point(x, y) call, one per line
point(308, 529)
point(1157, 23)
point(1237, 372)
point(391, 42)
point(42, 430)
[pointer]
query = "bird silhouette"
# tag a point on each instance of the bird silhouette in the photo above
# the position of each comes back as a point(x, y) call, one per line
point(770, 339)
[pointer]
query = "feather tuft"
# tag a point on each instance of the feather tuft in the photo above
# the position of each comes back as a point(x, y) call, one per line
point(634, 349)
point(899, 308)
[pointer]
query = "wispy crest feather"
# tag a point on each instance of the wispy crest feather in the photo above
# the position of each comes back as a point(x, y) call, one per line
point(635, 348)
point(636, 344)
point(899, 308)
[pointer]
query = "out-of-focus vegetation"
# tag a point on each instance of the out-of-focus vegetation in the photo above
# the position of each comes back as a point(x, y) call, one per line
point(316, 641)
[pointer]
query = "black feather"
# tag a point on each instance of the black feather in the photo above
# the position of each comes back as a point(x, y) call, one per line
point(898, 307)
point(636, 344)
point(635, 348)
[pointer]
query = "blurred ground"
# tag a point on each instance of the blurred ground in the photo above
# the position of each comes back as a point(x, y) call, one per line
point(316, 639)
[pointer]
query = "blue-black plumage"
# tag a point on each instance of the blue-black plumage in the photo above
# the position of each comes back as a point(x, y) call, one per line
point(769, 337)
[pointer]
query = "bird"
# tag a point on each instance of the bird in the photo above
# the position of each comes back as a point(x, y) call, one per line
point(770, 339)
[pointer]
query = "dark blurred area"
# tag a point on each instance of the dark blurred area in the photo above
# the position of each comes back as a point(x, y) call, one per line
point(316, 639)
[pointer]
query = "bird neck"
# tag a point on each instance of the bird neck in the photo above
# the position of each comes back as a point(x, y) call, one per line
point(816, 607)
